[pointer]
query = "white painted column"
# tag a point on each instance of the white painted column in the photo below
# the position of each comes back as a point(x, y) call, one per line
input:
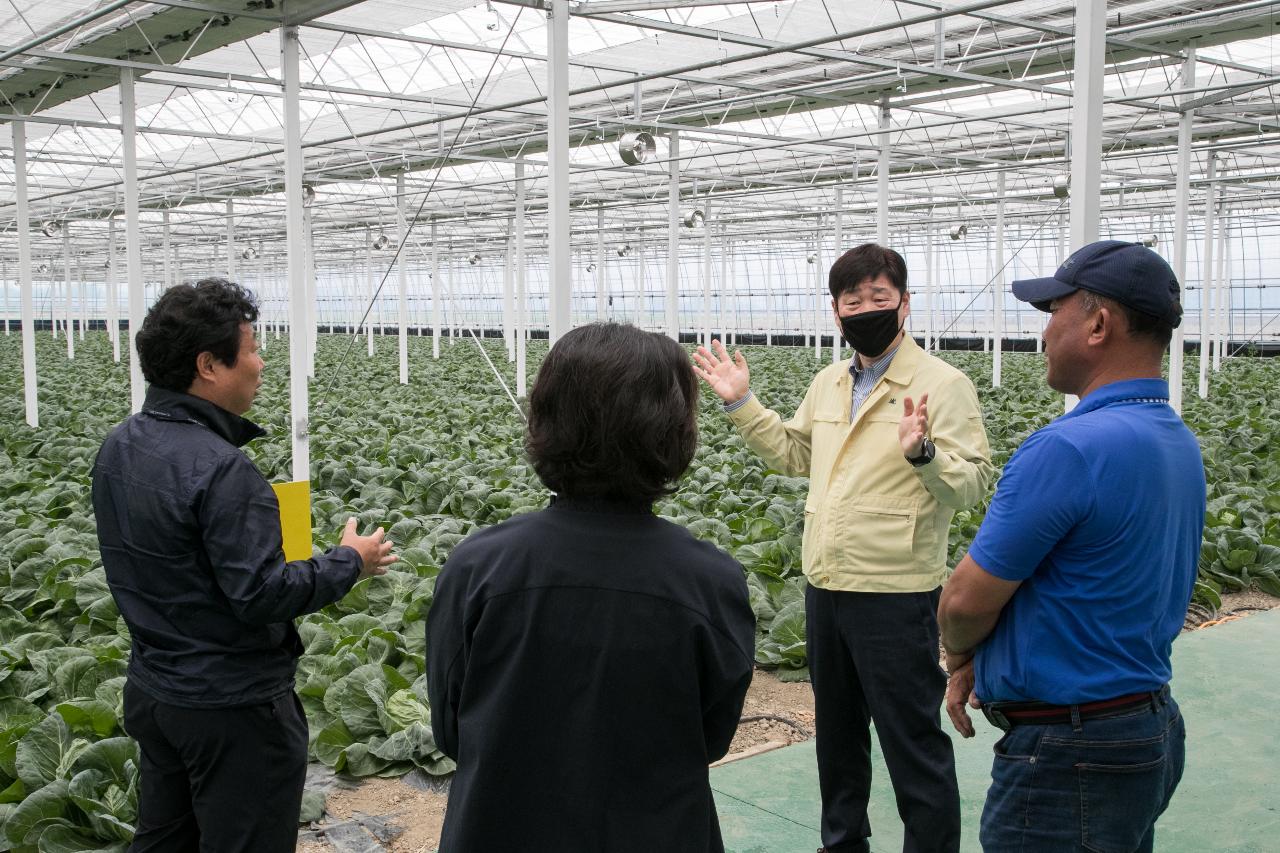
point(770, 268)
point(437, 308)
point(24, 273)
point(1208, 292)
point(1223, 281)
point(508, 296)
point(167, 248)
point(559, 249)
point(672, 301)
point(1181, 211)
point(70, 308)
point(311, 327)
point(402, 314)
point(522, 298)
point(1086, 126)
point(231, 240)
point(707, 304)
point(882, 178)
point(997, 288)
point(82, 295)
point(837, 236)
point(296, 236)
point(816, 292)
point(930, 286)
point(4, 292)
point(602, 296)
point(132, 237)
point(113, 293)
point(725, 332)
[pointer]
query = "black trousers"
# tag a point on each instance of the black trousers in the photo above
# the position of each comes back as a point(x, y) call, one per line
point(873, 656)
point(220, 780)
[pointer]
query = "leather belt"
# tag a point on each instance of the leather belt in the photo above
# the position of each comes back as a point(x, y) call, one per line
point(1006, 715)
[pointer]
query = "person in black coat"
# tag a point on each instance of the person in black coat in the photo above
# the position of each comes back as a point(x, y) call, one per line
point(189, 532)
point(585, 663)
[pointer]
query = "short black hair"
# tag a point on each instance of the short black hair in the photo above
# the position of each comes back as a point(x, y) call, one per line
point(190, 319)
point(868, 261)
point(1141, 324)
point(613, 414)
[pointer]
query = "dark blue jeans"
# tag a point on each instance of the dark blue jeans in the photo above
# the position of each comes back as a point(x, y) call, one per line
point(1095, 787)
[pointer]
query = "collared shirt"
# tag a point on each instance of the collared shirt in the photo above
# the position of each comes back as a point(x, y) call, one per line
point(864, 379)
point(1100, 516)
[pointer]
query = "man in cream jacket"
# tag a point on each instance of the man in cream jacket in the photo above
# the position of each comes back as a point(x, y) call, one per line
point(893, 444)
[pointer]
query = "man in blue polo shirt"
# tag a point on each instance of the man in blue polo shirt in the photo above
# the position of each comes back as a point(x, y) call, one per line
point(1059, 621)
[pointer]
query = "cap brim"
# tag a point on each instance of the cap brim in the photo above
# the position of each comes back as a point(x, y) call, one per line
point(1041, 291)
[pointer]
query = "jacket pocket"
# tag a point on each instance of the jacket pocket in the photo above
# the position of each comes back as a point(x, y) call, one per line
point(809, 538)
point(878, 536)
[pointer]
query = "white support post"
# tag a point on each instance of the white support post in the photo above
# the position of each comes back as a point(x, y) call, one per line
point(707, 319)
point(231, 240)
point(559, 248)
point(113, 293)
point(522, 298)
point(132, 236)
point(1087, 97)
point(1208, 292)
point(770, 268)
point(437, 309)
point(837, 237)
point(4, 292)
point(370, 284)
point(24, 273)
point(66, 269)
point(311, 327)
point(602, 296)
point(509, 296)
point(1223, 300)
point(296, 238)
point(997, 288)
point(672, 301)
point(882, 178)
point(816, 292)
point(82, 296)
point(402, 317)
point(1181, 211)
point(725, 331)
point(929, 276)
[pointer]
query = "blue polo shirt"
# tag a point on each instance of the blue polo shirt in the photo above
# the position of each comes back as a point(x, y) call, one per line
point(1100, 516)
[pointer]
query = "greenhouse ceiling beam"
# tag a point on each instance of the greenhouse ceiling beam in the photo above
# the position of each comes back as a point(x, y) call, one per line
point(652, 5)
point(74, 24)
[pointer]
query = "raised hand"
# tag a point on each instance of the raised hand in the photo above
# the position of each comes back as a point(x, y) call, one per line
point(728, 377)
point(375, 553)
point(913, 429)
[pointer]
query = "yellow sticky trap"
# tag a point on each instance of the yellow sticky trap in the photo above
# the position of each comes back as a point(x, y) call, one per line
point(295, 518)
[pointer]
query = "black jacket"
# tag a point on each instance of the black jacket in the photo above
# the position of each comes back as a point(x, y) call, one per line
point(189, 532)
point(585, 664)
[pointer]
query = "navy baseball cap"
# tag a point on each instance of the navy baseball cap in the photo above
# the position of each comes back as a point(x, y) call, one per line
point(1129, 273)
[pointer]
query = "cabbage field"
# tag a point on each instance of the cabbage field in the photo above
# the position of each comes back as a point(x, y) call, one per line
point(432, 462)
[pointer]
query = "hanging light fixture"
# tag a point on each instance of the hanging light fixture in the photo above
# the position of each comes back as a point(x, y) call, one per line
point(308, 195)
point(42, 269)
point(380, 242)
point(249, 253)
point(1061, 185)
point(812, 257)
point(636, 147)
point(591, 267)
point(695, 218)
point(958, 231)
point(1151, 241)
point(52, 228)
point(493, 25)
point(473, 259)
point(624, 250)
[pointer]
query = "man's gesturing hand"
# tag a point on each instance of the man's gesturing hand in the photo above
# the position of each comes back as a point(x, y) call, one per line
point(375, 553)
point(913, 429)
point(729, 378)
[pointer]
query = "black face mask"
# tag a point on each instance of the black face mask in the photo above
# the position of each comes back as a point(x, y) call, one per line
point(871, 332)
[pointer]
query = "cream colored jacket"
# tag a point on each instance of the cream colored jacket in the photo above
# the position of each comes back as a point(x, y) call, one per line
point(872, 522)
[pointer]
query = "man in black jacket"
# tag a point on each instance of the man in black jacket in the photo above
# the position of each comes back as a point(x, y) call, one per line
point(190, 537)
